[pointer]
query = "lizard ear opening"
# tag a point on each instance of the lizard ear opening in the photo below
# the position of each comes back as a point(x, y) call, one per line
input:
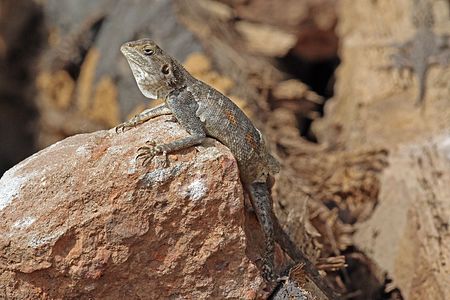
point(165, 69)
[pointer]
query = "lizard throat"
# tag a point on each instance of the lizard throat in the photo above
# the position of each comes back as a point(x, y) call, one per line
point(151, 86)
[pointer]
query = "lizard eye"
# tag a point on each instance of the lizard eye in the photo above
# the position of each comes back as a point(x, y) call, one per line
point(148, 51)
point(165, 69)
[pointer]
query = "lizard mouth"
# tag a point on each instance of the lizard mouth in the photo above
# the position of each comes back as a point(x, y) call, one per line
point(133, 61)
point(130, 54)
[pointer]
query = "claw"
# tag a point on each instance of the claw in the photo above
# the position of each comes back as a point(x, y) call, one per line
point(172, 119)
point(147, 156)
point(126, 125)
point(147, 160)
point(147, 152)
point(140, 155)
point(166, 159)
point(143, 148)
point(119, 128)
point(149, 145)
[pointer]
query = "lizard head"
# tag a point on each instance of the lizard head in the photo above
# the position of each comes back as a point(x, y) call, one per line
point(152, 68)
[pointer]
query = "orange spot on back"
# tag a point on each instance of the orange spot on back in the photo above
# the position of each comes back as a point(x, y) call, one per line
point(230, 116)
point(251, 140)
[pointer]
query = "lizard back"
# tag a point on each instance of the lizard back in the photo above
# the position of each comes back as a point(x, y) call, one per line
point(226, 122)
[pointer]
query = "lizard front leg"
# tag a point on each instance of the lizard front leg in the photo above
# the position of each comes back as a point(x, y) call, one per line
point(144, 116)
point(183, 106)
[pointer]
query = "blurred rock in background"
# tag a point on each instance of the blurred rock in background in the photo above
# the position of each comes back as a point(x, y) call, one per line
point(21, 39)
point(351, 142)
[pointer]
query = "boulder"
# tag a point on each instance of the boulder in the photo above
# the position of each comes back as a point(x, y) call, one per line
point(84, 219)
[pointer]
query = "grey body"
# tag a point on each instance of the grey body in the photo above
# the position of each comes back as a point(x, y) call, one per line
point(212, 114)
point(424, 49)
point(224, 121)
point(203, 111)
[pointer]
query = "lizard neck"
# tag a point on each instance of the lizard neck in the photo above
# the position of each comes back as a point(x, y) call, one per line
point(177, 80)
point(182, 77)
point(160, 77)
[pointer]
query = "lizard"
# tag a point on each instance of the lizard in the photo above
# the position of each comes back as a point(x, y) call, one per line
point(424, 49)
point(204, 112)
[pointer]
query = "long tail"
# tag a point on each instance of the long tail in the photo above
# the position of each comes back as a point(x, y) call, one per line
point(421, 71)
point(282, 238)
point(262, 204)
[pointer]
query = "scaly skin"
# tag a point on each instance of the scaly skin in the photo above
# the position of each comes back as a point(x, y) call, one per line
point(204, 112)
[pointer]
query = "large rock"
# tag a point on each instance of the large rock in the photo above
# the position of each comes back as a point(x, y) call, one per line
point(374, 105)
point(408, 234)
point(83, 219)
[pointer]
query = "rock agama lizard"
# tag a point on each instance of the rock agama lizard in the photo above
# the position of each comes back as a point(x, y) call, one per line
point(425, 48)
point(203, 111)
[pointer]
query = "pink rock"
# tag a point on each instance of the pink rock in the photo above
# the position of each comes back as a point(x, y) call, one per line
point(83, 219)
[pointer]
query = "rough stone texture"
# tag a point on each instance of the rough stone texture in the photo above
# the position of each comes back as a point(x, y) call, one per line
point(408, 233)
point(374, 106)
point(83, 219)
point(310, 22)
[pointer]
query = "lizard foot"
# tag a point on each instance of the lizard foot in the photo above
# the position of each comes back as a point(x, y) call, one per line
point(149, 151)
point(124, 126)
point(172, 119)
point(133, 122)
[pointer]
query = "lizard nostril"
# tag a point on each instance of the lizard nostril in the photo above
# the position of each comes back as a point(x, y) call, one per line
point(124, 47)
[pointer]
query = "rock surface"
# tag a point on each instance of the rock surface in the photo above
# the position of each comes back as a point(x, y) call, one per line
point(374, 105)
point(83, 219)
point(408, 233)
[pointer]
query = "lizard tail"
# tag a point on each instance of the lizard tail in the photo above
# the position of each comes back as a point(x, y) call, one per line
point(421, 77)
point(283, 239)
point(262, 204)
